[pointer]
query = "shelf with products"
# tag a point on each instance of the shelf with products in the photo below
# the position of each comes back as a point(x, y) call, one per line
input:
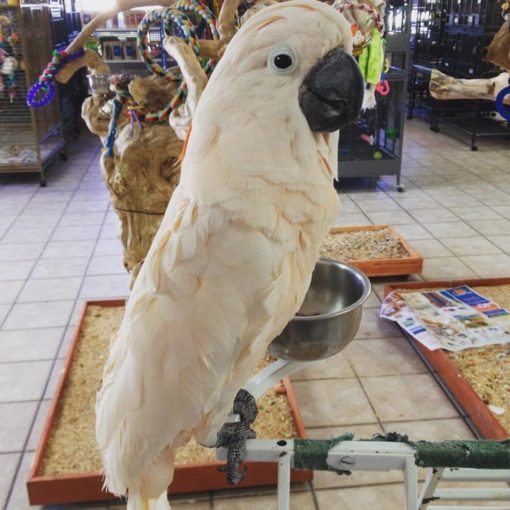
point(117, 45)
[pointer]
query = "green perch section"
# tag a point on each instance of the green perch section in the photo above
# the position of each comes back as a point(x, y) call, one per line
point(481, 454)
point(313, 453)
point(476, 454)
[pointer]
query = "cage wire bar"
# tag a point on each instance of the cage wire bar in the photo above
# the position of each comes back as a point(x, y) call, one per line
point(29, 139)
point(475, 460)
point(372, 145)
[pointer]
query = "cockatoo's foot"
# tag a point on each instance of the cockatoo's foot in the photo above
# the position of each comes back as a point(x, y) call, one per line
point(233, 436)
point(245, 406)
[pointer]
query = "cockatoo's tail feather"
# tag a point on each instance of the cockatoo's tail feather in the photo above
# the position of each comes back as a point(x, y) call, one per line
point(233, 258)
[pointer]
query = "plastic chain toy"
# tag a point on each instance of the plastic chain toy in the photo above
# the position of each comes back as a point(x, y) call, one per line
point(383, 87)
point(500, 105)
point(45, 83)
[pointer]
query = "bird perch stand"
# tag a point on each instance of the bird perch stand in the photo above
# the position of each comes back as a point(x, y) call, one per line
point(452, 460)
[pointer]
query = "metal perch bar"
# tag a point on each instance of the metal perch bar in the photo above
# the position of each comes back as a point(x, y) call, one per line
point(272, 374)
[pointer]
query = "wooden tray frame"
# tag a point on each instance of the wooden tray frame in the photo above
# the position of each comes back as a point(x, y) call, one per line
point(199, 477)
point(385, 267)
point(488, 426)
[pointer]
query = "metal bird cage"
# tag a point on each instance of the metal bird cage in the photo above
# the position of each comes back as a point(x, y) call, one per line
point(29, 139)
point(375, 139)
point(372, 145)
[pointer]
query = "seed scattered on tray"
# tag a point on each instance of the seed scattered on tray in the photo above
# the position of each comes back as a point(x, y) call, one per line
point(72, 443)
point(363, 245)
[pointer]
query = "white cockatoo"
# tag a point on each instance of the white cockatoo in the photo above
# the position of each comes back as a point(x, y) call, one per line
point(233, 257)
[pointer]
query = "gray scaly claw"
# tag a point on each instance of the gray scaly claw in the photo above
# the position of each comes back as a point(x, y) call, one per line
point(245, 406)
point(233, 436)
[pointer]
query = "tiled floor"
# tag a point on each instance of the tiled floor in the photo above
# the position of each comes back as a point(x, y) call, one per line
point(59, 246)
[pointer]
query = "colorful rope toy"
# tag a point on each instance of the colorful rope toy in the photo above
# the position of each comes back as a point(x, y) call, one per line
point(45, 83)
point(169, 17)
point(203, 11)
point(379, 23)
point(500, 105)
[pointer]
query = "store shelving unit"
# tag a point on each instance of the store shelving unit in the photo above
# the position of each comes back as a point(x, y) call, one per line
point(29, 139)
point(119, 35)
point(372, 145)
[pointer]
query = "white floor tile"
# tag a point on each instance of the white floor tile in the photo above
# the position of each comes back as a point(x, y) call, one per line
point(50, 289)
point(39, 315)
point(23, 381)
point(15, 422)
point(30, 344)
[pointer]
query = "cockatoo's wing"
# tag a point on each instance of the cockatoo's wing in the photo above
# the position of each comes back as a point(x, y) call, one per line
point(205, 297)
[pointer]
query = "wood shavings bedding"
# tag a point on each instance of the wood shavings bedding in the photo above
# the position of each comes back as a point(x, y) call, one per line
point(363, 245)
point(72, 444)
point(487, 369)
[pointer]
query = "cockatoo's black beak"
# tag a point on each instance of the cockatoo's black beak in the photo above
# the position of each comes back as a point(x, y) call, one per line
point(332, 92)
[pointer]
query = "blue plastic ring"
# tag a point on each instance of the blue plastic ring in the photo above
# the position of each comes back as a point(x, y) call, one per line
point(45, 99)
point(500, 105)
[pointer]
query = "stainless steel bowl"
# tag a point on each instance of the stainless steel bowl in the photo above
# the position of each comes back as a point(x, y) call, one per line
point(329, 317)
point(99, 83)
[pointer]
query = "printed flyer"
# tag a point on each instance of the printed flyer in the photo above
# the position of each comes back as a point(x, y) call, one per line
point(451, 319)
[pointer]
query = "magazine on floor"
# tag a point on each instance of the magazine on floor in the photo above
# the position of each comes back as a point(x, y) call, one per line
point(452, 319)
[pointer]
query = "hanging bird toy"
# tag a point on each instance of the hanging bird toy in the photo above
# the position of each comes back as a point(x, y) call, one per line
point(45, 83)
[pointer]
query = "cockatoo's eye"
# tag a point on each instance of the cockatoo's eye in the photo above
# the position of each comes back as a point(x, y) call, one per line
point(282, 59)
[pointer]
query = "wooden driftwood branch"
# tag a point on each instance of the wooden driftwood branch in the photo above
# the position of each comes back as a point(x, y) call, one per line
point(445, 87)
point(226, 26)
point(144, 168)
point(91, 60)
point(195, 78)
point(498, 51)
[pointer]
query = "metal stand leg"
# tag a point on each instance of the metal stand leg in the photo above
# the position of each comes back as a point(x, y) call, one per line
point(270, 376)
point(429, 487)
point(400, 187)
point(474, 147)
point(284, 464)
point(411, 481)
